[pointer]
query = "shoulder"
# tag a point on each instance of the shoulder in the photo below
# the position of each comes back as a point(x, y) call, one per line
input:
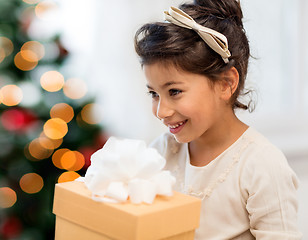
point(263, 163)
point(260, 151)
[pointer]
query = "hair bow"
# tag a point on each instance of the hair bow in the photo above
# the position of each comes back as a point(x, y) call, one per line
point(215, 40)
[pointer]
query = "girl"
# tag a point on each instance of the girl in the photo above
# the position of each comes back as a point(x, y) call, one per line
point(195, 64)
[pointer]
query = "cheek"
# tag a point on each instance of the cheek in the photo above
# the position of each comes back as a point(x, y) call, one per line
point(198, 109)
point(190, 107)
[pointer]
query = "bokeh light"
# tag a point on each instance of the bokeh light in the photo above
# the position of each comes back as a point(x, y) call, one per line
point(13, 119)
point(68, 176)
point(31, 1)
point(52, 81)
point(38, 151)
point(2, 54)
point(32, 51)
point(8, 197)
point(50, 144)
point(11, 227)
point(11, 95)
point(68, 160)
point(57, 156)
point(25, 60)
point(75, 88)
point(45, 141)
point(55, 128)
point(6, 47)
point(31, 183)
point(91, 113)
point(29, 56)
point(72, 160)
point(44, 8)
point(63, 111)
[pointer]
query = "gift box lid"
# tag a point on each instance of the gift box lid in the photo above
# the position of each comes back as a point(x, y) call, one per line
point(166, 217)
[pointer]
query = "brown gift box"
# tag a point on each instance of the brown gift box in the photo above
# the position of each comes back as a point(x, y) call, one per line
point(80, 217)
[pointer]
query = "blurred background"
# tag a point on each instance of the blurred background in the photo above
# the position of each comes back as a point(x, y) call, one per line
point(69, 79)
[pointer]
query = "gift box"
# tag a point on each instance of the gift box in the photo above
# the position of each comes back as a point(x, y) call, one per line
point(78, 216)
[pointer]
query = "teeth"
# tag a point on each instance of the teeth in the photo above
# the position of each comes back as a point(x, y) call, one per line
point(177, 125)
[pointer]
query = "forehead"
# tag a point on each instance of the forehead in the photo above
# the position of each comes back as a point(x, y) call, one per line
point(160, 67)
point(161, 74)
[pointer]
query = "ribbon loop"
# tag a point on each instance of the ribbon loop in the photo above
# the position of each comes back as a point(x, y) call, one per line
point(195, 26)
point(126, 168)
point(215, 40)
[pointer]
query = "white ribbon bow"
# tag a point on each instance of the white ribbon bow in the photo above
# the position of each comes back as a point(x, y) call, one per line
point(127, 168)
point(215, 40)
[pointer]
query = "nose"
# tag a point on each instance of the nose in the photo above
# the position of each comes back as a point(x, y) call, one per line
point(163, 110)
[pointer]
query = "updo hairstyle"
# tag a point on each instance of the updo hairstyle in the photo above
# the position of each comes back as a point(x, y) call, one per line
point(185, 49)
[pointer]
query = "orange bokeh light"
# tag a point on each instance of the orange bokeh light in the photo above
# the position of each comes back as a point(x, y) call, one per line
point(8, 197)
point(31, 183)
point(31, 1)
point(44, 7)
point(68, 176)
point(25, 60)
point(32, 51)
point(91, 113)
point(29, 56)
point(2, 54)
point(38, 151)
point(68, 160)
point(11, 95)
point(6, 45)
point(75, 88)
point(52, 81)
point(55, 128)
point(72, 160)
point(63, 111)
point(49, 143)
point(46, 143)
point(57, 156)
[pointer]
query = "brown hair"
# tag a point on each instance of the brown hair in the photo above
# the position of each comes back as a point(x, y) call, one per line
point(184, 48)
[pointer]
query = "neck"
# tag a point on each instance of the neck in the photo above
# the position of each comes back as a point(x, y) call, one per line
point(216, 140)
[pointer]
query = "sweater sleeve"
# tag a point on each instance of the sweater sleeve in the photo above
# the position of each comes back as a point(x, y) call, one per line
point(270, 187)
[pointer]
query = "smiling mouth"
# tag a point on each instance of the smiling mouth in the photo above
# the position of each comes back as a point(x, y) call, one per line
point(177, 127)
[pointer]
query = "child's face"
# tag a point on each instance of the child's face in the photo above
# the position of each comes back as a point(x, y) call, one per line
point(185, 102)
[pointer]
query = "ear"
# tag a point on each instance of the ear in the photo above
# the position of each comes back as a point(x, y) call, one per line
point(229, 83)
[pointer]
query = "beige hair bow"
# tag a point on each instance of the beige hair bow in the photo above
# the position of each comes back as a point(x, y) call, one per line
point(215, 40)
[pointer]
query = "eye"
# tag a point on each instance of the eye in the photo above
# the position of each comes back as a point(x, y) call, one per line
point(174, 92)
point(153, 94)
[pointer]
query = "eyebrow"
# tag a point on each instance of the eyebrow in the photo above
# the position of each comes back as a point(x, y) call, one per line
point(167, 84)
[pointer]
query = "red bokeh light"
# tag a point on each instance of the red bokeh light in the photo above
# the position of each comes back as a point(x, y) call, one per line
point(17, 119)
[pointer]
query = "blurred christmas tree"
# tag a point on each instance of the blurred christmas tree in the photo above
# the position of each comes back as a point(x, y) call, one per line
point(48, 125)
